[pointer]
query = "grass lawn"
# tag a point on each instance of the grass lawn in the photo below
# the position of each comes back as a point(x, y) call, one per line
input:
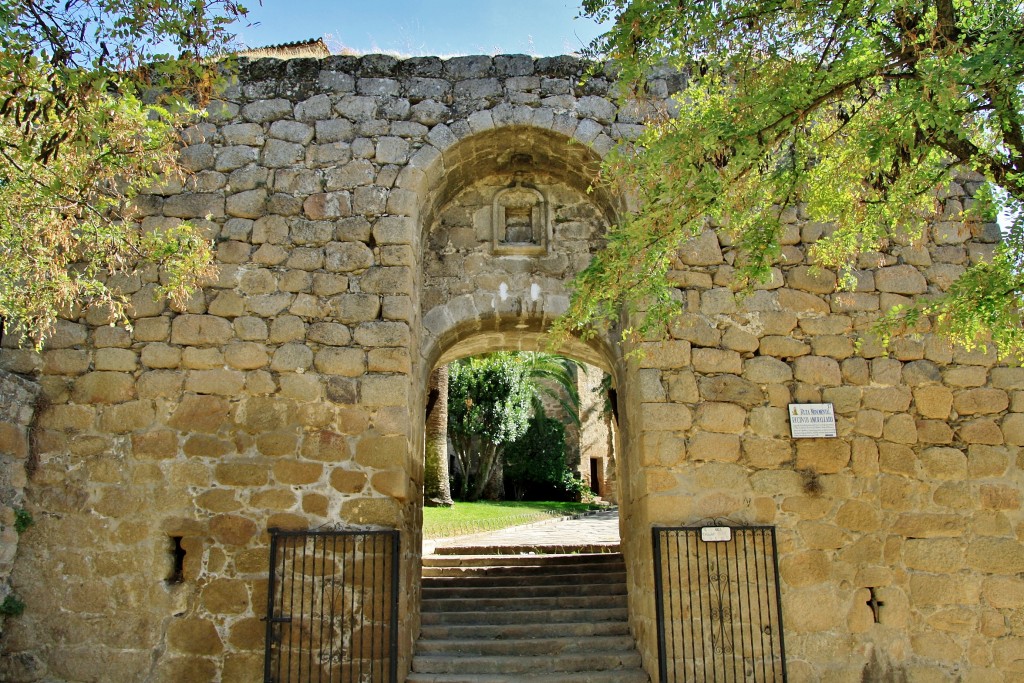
point(471, 518)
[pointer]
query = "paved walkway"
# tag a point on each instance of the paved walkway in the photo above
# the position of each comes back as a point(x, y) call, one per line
point(600, 529)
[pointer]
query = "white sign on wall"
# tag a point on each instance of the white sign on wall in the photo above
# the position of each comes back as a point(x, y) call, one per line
point(812, 420)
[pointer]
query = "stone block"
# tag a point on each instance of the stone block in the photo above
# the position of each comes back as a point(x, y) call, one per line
point(666, 354)
point(1008, 378)
point(372, 334)
point(732, 389)
point(348, 481)
point(711, 446)
point(811, 279)
point(823, 456)
point(246, 355)
point(200, 330)
point(708, 360)
point(933, 401)
point(724, 418)
point(782, 347)
point(887, 399)
point(379, 511)
point(127, 417)
point(806, 568)
point(1013, 429)
point(206, 446)
point(287, 328)
point(934, 431)
point(766, 453)
point(666, 416)
point(341, 361)
point(982, 431)
point(382, 452)
point(999, 497)
point(277, 443)
point(936, 555)
point(392, 483)
point(1003, 592)
point(346, 257)
point(900, 428)
point(232, 529)
point(981, 401)
point(193, 636)
point(326, 446)
point(296, 473)
point(817, 370)
point(104, 387)
point(197, 413)
point(766, 370)
point(160, 384)
point(384, 390)
point(903, 279)
point(221, 382)
point(996, 555)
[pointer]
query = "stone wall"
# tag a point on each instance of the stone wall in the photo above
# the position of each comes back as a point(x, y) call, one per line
point(918, 500)
point(376, 217)
point(17, 408)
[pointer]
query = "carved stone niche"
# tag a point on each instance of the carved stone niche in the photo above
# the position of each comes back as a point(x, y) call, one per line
point(519, 221)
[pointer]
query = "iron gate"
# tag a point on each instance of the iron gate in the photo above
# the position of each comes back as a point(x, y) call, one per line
point(718, 605)
point(332, 607)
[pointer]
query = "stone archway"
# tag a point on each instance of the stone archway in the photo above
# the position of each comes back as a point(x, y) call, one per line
point(481, 292)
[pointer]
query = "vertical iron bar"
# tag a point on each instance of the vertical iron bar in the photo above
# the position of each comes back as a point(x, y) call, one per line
point(760, 603)
point(731, 651)
point(668, 597)
point(302, 608)
point(778, 606)
point(291, 607)
point(376, 589)
point(659, 608)
point(767, 579)
point(747, 538)
point(689, 600)
point(721, 610)
point(334, 604)
point(350, 622)
point(318, 581)
point(395, 549)
point(267, 657)
point(704, 637)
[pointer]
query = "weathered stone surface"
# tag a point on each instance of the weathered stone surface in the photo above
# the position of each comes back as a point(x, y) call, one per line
point(352, 204)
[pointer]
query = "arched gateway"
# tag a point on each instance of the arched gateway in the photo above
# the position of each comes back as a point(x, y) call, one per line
point(375, 217)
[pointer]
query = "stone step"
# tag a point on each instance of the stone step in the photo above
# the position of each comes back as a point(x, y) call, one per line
point(429, 632)
point(525, 646)
point(463, 558)
point(517, 604)
point(616, 676)
point(589, 661)
point(525, 616)
point(433, 592)
point(501, 568)
point(539, 549)
point(452, 577)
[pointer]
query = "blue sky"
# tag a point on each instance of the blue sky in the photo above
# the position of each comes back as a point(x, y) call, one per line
point(423, 27)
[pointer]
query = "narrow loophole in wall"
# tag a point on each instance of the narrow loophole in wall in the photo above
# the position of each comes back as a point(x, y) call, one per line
point(177, 561)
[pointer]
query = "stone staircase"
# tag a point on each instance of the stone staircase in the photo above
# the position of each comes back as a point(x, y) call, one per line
point(544, 618)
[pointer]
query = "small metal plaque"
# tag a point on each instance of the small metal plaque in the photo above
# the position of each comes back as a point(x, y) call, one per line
point(812, 420)
point(715, 534)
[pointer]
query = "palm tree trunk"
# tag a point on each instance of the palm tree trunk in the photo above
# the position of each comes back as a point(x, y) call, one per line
point(436, 486)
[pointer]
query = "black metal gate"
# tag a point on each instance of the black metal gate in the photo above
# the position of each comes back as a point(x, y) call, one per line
point(332, 607)
point(718, 605)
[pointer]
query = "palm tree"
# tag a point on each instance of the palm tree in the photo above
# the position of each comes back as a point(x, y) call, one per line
point(547, 373)
point(436, 486)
